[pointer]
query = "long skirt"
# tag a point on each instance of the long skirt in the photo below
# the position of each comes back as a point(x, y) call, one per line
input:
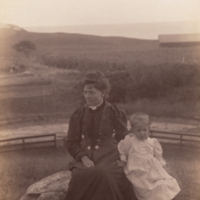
point(105, 181)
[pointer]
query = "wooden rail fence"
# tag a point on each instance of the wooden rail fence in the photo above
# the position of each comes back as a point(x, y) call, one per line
point(47, 140)
point(181, 139)
point(50, 140)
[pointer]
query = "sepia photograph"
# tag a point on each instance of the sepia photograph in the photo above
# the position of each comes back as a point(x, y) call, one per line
point(99, 100)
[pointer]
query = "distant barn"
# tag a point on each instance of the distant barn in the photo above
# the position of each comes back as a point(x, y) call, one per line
point(178, 40)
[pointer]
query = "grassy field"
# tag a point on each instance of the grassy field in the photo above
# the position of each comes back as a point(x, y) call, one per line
point(81, 51)
point(165, 107)
point(18, 170)
point(160, 78)
point(50, 91)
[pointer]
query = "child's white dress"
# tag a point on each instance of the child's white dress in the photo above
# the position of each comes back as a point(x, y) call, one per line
point(145, 169)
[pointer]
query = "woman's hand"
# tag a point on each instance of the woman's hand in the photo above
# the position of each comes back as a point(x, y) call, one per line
point(87, 162)
point(121, 163)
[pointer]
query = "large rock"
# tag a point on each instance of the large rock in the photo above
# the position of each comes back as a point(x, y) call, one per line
point(53, 187)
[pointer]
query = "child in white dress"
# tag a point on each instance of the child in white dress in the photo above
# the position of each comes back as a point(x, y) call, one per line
point(143, 163)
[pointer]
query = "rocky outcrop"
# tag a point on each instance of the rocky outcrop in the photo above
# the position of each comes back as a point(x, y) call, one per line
point(53, 187)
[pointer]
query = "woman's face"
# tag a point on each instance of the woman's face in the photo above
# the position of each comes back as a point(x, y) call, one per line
point(92, 95)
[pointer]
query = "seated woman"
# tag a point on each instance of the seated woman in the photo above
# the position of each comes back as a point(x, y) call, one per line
point(94, 132)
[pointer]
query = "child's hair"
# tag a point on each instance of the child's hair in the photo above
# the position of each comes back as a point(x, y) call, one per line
point(139, 117)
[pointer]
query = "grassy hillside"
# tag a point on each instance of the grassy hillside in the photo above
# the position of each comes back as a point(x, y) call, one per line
point(144, 76)
point(65, 46)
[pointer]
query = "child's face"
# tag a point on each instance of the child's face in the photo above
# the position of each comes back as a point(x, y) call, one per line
point(141, 131)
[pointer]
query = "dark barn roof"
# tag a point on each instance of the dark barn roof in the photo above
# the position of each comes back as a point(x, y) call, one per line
point(179, 40)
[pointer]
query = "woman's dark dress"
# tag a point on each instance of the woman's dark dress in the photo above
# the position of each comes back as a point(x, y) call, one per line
point(95, 133)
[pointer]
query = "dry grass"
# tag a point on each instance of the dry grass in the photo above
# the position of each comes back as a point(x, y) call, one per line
point(19, 170)
point(164, 108)
point(185, 167)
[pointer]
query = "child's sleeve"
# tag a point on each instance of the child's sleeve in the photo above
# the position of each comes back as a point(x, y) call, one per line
point(158, 152)
point(123, 148)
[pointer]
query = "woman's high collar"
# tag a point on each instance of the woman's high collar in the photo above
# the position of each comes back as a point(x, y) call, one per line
point(95, 107)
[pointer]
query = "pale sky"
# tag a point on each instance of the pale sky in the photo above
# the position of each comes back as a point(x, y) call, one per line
point(25, 13)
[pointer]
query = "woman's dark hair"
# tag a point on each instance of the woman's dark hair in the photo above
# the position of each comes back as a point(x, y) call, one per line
point(98, 80)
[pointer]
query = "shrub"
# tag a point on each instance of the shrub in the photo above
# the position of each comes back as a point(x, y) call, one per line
point(130, 83)
point(151, 82)
point(25, 46)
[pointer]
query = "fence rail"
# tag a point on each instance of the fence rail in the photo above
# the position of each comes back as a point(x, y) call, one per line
point(49, 140)
point(28, 142)
point(180, 139)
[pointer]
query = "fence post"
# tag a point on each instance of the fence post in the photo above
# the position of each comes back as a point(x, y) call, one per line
point(151, 133)
point(181, 141)
point(55, 141)
point(23, 143)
